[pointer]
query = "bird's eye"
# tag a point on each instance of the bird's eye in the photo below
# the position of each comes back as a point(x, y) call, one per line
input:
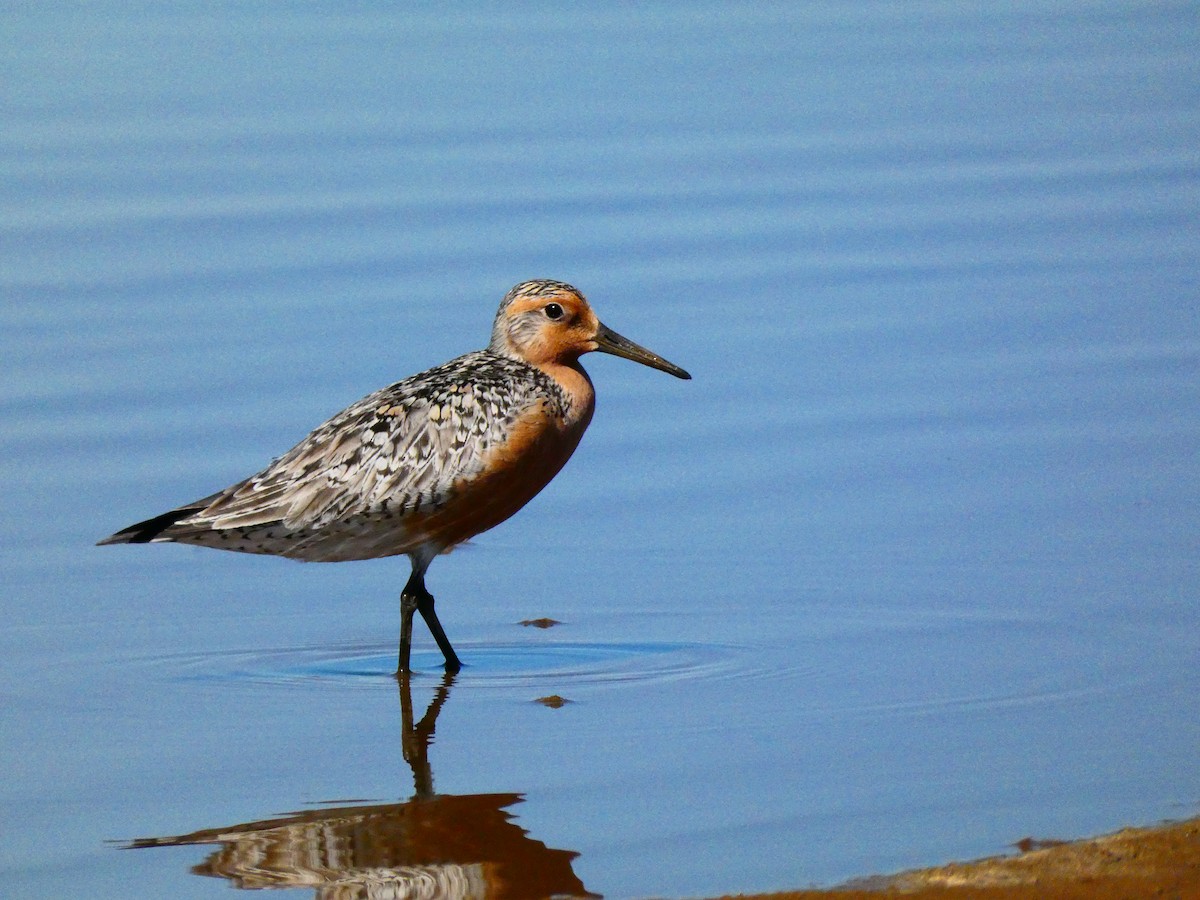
point(554, 311)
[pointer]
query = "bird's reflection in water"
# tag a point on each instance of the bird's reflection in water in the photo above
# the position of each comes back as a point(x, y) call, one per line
point(433, 846)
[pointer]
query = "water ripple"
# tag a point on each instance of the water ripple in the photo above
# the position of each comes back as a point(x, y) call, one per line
point(498, 665)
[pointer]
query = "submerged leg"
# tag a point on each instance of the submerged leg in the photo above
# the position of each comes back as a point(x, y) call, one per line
point(416, 598)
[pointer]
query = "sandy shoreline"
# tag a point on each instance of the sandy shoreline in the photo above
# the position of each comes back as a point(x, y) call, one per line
point(1163, 861)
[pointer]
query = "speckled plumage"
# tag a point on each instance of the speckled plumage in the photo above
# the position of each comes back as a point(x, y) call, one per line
point(427, 462)
point(360, 485)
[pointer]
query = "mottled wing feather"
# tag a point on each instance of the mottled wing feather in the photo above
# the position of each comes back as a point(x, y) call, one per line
point(398, 451)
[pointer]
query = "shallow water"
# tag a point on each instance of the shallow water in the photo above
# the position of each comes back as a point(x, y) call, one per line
point(906, 573)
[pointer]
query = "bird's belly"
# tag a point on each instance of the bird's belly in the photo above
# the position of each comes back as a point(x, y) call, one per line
point(512, 476)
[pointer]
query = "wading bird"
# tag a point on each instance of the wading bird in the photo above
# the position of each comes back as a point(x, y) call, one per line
point(426, 463)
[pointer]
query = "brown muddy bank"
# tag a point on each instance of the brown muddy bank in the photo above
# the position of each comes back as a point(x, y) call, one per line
point(1163, 861)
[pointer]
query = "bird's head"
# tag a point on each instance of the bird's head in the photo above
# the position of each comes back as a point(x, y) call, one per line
point(543, 322)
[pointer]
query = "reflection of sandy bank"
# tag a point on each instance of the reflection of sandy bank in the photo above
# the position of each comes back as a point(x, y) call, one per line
point(1135, 862)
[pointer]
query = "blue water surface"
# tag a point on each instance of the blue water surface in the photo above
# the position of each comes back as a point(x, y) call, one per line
point(906, 573)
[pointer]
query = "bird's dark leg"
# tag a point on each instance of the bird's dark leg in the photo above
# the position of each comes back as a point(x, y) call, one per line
point(408, 606)
point(425, 605)
point(415, 598)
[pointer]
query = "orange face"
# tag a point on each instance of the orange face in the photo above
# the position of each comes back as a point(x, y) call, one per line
point(550, 322)
point(553, 328)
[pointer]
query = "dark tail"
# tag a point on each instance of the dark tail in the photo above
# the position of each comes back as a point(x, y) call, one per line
point(145, 532)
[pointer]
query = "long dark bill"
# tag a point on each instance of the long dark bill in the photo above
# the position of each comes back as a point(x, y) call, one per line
point(608, 341)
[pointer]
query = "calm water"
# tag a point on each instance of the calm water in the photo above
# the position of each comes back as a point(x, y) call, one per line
point(909, 571)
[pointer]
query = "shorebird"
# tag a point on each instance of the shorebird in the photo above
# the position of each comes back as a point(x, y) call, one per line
point(426, 463)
